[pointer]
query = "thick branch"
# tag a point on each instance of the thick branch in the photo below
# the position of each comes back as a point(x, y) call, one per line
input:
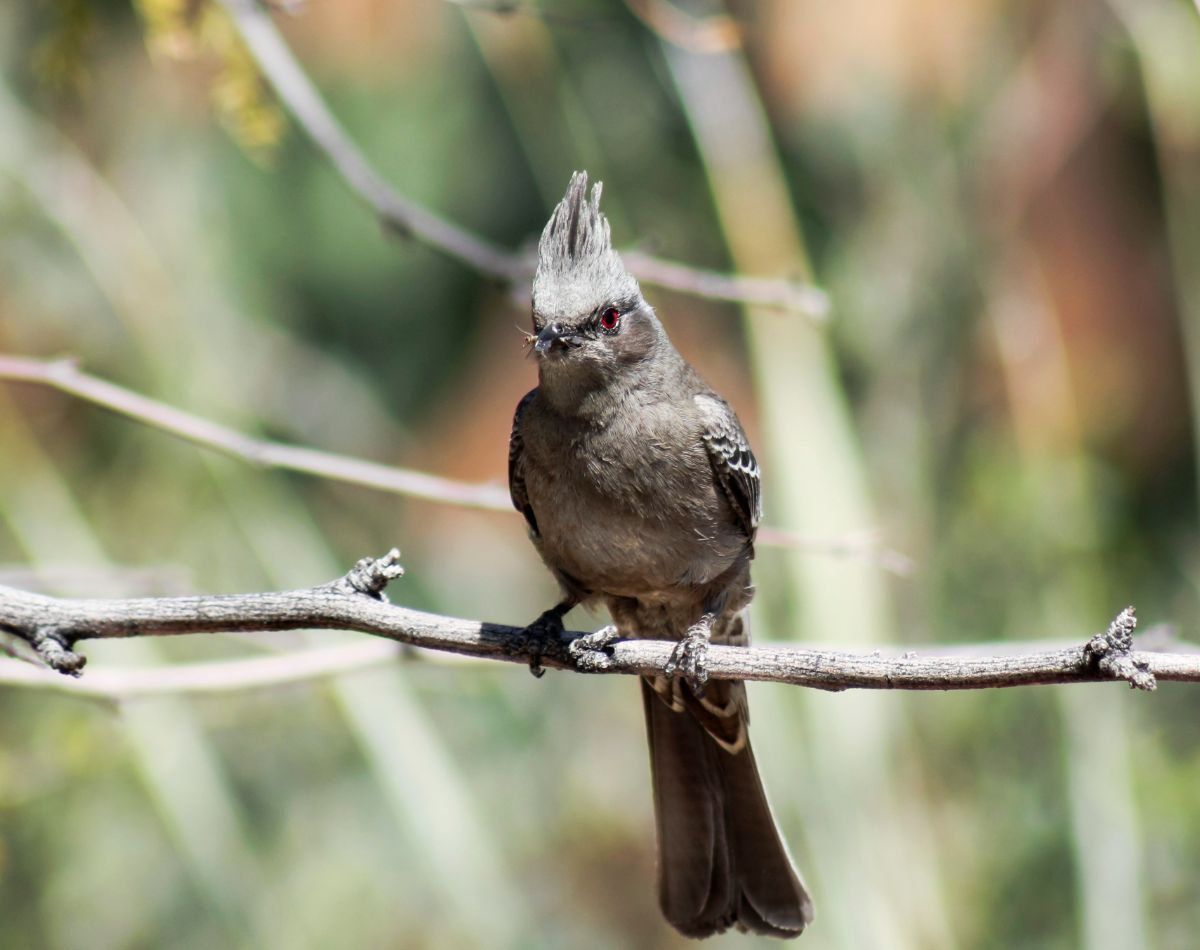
point(54, 625)
point(65, 376)
point(406, 217)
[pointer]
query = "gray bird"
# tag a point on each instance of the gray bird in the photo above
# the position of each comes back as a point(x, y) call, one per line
point(641, 492)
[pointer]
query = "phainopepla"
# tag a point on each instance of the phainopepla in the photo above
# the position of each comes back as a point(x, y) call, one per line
point(641, 491)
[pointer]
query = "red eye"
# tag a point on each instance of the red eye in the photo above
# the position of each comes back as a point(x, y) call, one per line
point(610, 319)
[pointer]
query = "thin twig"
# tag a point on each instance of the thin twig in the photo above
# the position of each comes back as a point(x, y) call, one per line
point(66, 376)
point(115, 684)
point(300, 97)
point(53, 626)
point(222, 676)
point(861, 545)
point(406, 217)
point(752, 291)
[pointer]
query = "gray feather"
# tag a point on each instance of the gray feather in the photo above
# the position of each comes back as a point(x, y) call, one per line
point(578, 271)
point(516, 476)
point(733, 462)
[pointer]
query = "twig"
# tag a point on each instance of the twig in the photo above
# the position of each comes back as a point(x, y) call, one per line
point(53, 626)
point(302, 100)
point(864, 545)
point(223, 676)
point(408, 218)
point(66, 376)
point(1112, 652)
point(753, 291)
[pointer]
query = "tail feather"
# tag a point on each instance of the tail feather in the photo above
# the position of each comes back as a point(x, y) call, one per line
point(721, 860)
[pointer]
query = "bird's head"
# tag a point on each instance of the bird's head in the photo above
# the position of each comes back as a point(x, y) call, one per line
point(590, 321)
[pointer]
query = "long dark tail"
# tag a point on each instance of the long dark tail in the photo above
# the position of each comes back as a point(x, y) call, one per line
point(721, 860)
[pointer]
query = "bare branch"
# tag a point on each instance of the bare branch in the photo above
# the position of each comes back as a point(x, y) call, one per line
point(223, 676)
point(67, 377)
point(54, 625)
point(408, 218)
point(863, 545)
point(752, 291)
point(306, 106)
point(114, 685)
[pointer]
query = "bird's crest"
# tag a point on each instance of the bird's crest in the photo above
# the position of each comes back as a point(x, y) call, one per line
point(577, 269)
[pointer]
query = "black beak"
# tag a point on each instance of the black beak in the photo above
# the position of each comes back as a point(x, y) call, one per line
point(551, 333)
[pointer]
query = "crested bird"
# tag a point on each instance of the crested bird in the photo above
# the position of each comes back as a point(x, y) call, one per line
point(641, 492)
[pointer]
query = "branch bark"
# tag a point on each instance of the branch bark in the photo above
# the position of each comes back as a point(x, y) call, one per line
point(406, 217)
point(53, 626)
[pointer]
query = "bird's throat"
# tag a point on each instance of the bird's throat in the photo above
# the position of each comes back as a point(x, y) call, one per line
point(572, 390)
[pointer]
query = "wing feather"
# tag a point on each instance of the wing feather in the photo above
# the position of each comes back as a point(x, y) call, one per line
point(516, 471)
point(733, 462)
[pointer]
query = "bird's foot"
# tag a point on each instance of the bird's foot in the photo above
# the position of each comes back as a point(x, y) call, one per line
point(690, 656)
point(544, 636)
point(592, 652)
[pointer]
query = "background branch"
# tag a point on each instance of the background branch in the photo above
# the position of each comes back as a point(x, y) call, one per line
point(408, 218)
point(222, 676)
point(54, 625)
point(65, 376)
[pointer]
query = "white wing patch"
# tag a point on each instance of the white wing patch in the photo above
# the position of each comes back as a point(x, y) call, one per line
point(733, 462)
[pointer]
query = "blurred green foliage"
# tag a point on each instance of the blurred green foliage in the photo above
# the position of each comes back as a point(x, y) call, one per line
point(1002, 200)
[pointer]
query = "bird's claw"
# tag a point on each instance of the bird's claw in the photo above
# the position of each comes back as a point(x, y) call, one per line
point(690, 658)
point(543, 636)
point(592, 652)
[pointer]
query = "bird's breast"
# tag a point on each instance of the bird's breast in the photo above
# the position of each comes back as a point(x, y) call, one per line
point(629, 508)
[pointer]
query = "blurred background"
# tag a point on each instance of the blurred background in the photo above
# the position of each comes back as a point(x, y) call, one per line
point(1002, 200)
